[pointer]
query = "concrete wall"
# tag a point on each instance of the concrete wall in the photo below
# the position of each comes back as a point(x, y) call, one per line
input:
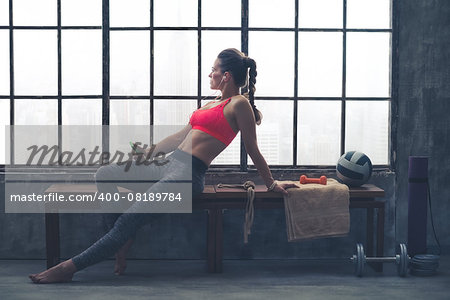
point(423, 107)
point(422, 128)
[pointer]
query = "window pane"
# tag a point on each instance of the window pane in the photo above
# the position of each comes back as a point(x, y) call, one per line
point(275, 68)
point(231, 155)
point(173, 112)
point(368, 64)
point(320, 14)
point(369, 14)
point(82, 12)
point(176, 13)
point(4, 120)
point(268, 13)
point(82, 112)
point(213, 42)
point(130, 63)
point(367, 130)
point(232, 11)
point(81, 62)
point(129, 13)
point(206, 101)
point(171, 116)
point(129, 112)
point(176, 63)
point(133, 118)
point(35, 62)
point(4, 62)
point(82, 144)
point(34, 112)
point(320, 64)
point(35, 13)
point(319, 132)
point(4, 12)
point(274, 135)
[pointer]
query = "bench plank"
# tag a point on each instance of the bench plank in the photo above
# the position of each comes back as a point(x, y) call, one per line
point(364, 191)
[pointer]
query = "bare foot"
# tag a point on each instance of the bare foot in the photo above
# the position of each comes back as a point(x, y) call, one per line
point(62, 272)
point(121, 261)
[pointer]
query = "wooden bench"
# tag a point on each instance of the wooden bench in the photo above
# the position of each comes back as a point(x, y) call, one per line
point(215, 201)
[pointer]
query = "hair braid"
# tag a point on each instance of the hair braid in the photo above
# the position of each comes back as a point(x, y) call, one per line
point(250, 63)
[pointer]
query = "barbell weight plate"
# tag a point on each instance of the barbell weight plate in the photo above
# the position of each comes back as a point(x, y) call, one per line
point(402, 266)
point(360, 260)
point(356, 261)
point(405, 270)
point(399, 261)
point(363, 258)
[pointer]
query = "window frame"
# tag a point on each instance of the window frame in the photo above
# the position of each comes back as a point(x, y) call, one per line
point(244, 30)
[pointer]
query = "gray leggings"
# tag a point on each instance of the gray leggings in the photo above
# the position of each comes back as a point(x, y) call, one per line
point(128, 223)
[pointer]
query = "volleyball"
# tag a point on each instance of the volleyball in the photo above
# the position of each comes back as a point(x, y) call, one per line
point(354, 168)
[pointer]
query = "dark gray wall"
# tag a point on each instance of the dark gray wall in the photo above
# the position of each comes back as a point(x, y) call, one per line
point(424, 107)
point(422, 128)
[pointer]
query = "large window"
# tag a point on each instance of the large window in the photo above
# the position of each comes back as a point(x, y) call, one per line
point(323, 84)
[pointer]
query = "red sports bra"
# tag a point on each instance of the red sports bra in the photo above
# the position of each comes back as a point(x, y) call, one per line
point(213, 122)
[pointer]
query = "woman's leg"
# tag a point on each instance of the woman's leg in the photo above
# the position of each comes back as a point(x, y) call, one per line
point(125, 227)
point(121, 255)
point(107, 179)
point(128, 223)
point(136, 177)
point(121, 258)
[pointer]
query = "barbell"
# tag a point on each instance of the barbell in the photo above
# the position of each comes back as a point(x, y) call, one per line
point(401, 260)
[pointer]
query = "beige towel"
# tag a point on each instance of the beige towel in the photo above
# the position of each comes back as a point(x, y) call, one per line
point(317, 211)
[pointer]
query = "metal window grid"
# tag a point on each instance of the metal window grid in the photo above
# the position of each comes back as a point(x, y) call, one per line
point(244, 29)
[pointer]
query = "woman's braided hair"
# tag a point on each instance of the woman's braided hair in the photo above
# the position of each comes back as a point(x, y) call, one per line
point(235, 62)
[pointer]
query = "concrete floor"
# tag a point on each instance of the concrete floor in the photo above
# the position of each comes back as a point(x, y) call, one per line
point(242, 279)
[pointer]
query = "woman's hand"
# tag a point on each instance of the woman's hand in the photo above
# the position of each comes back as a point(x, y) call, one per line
point(138, 151)
point(281, 187)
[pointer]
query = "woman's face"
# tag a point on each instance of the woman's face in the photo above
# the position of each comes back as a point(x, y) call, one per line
point(216, 76)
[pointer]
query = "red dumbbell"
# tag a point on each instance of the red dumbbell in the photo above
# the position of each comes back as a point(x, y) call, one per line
point(321, 180)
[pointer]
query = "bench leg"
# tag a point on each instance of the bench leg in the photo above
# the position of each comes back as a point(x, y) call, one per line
point(380, 235)
point(211, 241)
point(370, 232)
point(219, 240)
point(370, 240)
point(215, 240)
point(379, 250)
point(52, 239)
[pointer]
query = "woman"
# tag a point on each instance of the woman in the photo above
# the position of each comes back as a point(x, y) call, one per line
point(210, 130)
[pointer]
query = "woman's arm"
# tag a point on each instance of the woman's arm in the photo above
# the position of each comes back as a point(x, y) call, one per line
point(246, 123)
